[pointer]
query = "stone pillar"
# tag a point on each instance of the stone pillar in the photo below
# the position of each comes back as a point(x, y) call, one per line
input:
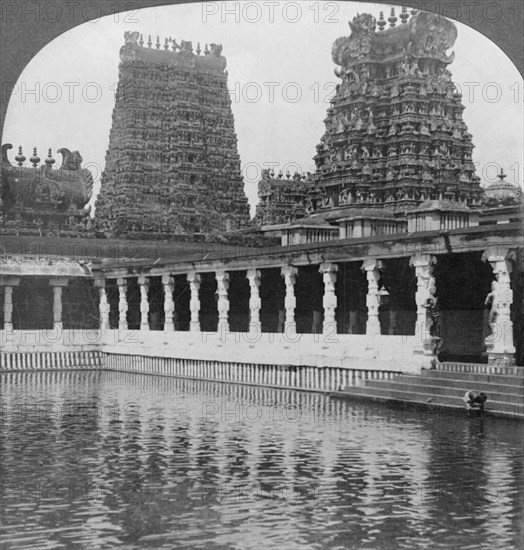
point(290, 275)
point(372, 268)
point(104, 304)
point(329, 300)
point(122, 303)
point(499, 343)
point(169, 305)
point(425, 299)
point(8, 283)
point(57, 283)
point(222, 278)
point(253, 276)
point(194, 303)
point(143, 281)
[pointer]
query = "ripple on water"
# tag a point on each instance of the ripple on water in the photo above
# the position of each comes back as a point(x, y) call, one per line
point(142, 462)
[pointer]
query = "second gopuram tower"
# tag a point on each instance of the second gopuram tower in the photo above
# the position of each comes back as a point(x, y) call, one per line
point(395, 135)
point(172, 165)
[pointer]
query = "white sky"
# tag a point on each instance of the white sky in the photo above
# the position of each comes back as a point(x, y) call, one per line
point(75, 77)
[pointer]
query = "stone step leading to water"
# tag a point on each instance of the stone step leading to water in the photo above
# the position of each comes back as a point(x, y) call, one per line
point(504, 394)
point(443, 384)
point(513, 380)
point(515, 410)
point(445, 387)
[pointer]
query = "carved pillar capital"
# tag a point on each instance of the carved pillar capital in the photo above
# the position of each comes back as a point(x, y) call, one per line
point(422, 260)
point(328, 267)
point(8, 280)
point(289, 272)
point(168, 279)
point(58, 281)
point(99, 283)
point(193, 278)
point(372, 264)
point(253, 276)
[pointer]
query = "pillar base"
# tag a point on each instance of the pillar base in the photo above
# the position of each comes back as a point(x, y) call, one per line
point(425, 354)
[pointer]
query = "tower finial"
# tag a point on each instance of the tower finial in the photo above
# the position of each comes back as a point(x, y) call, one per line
point(49, 161)
point(404, 15)
point(158, 42)
point(198, 50)
point(381, 23)
point(392, 18)
point(149, 43)
point(35, 159)
point(501, 176)
point(141, 41)
point(166, 45)
point(20, 158)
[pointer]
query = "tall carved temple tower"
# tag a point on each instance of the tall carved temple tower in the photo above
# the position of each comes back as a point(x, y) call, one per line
point(395, 136)
point(172, 165)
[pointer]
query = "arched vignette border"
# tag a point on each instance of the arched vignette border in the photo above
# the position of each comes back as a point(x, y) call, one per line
point(502, 21)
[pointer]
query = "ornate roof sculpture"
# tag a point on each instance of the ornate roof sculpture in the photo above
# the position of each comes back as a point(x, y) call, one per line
point(503, 193)
point(172, 165)
point(395, 136)
point(44, 200)
point(284, 199)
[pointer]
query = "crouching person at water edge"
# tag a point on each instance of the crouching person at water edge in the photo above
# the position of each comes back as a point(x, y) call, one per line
point(475, 400)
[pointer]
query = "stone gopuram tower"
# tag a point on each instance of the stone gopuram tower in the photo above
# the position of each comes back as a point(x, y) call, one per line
point(395, 135)
point(172, 165)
